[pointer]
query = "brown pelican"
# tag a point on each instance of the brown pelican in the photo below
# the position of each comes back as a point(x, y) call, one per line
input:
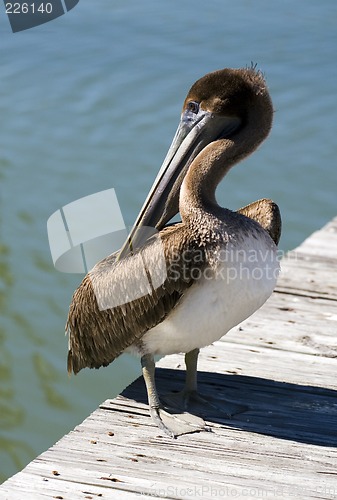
point(219, 266)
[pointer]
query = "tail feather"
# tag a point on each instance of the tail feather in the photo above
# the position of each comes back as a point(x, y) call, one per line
point(70, 367)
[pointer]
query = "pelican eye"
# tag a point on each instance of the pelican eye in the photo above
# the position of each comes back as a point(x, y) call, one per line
point(193, 106)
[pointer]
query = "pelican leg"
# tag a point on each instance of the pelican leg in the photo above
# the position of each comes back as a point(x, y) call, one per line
point(172, 423)
point(148, 369)
point(200, 404)
point(184, 399)
point(191, 382)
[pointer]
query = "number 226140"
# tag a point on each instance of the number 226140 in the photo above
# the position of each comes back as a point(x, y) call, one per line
point(28, 8)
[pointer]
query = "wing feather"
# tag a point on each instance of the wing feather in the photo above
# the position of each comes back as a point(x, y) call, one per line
point(118, 302)
point(267, 214)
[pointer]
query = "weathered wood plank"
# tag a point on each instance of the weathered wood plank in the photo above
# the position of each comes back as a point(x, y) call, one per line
point(303, 275)
point(278, 367)
point(311, 269)
point(322, 243)
point(230, 456)
point(292, 324)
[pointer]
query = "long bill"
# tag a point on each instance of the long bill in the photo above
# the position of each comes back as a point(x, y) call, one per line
point(195, 131)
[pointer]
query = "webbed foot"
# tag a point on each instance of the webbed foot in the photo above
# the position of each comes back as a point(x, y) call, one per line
point(176, 423)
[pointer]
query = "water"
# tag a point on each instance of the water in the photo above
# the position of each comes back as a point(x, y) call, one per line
point(91, 101)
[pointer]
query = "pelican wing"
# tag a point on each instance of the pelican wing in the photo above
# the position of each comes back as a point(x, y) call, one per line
point(267, 214)
point(118, 302)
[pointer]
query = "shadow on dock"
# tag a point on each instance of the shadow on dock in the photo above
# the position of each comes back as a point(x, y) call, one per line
point(305, 414)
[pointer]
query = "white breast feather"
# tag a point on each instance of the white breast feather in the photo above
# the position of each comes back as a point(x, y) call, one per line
point(239, 284)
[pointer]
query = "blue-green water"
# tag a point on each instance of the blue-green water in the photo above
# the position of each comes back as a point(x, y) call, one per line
point(91, 101)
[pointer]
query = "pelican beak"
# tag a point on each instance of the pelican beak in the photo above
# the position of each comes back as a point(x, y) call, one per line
point(195, 131)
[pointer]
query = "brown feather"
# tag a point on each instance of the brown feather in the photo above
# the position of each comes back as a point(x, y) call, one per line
point(267, 214)
point(97, 337)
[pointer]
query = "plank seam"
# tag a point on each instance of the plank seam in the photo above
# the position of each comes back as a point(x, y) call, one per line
point(311, 296)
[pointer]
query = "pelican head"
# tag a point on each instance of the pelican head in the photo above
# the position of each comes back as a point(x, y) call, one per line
point(217, 107)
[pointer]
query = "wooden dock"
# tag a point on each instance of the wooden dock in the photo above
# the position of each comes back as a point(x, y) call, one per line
point(280, 365)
